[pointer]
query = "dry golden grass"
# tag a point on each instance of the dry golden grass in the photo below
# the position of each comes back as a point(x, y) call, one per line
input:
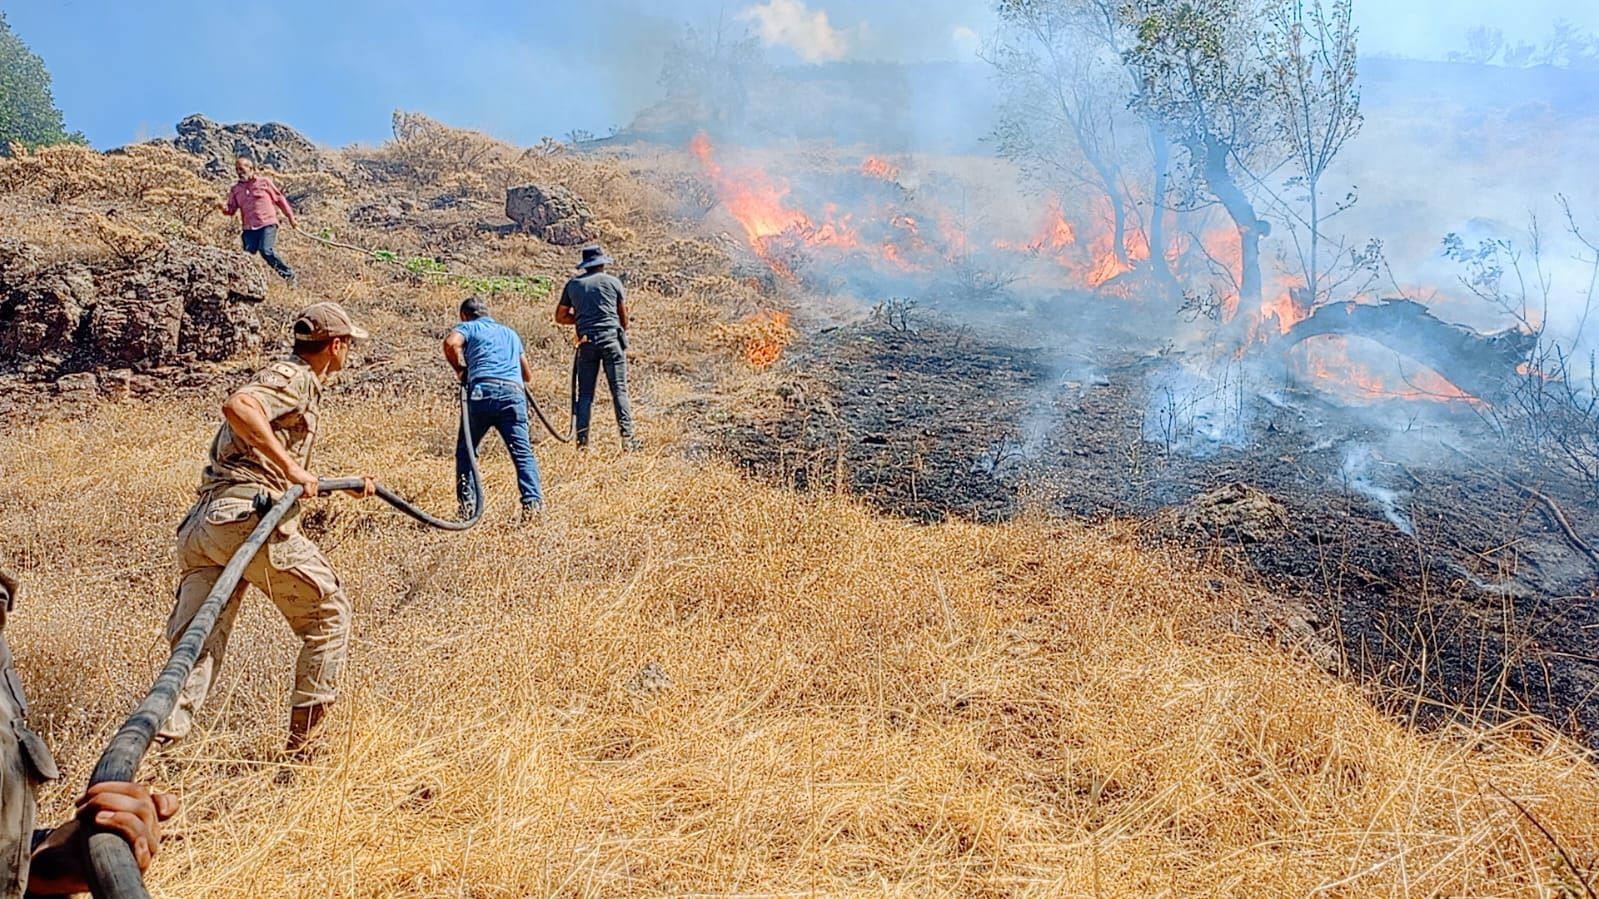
point(856, 706)
point(680, 682)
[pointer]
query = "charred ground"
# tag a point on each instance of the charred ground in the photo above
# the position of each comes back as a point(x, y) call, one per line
point(1036, 704)
point(1416, 568)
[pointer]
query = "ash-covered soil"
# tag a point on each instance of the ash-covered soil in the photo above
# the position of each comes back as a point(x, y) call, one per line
point(1438, 583)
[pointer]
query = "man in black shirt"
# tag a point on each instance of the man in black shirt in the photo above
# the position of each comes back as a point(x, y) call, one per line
point(595, 302)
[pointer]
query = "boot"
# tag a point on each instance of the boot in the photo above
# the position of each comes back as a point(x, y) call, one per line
point(304, 722)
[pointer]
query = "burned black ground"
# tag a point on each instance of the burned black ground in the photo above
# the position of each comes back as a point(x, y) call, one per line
point(1445, 589)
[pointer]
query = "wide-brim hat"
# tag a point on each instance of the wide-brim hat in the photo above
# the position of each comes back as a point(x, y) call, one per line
point(593, 257)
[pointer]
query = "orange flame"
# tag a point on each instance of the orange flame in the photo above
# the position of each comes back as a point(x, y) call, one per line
point(1105, 264)
point(765, 335)
point(761, 206)
point(1057, 233)
point(1330, 365)
point(756, 201)
point(778, 226)
point(1053, 234)
point(1225, 248)
point(1284, 306)
point(880, 169)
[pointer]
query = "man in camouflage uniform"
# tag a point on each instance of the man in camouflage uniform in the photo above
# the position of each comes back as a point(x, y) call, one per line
point(264, 446)
point(51, 863)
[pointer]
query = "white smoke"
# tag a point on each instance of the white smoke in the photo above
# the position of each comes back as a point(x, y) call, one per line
point(1198, 408)
point(806, 31)
point(965, 40)
point(1359, 475)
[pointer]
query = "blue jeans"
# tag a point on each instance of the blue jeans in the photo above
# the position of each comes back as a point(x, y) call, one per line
point(500, 405)
point(265, 241)
point(602, 350)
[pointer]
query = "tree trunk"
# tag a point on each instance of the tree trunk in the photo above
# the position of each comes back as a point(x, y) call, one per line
point(1483, 365)
point(1251, 228)
point(1107, 179)
point(1313, 279)
point(1118, 210)
point(1160, 265)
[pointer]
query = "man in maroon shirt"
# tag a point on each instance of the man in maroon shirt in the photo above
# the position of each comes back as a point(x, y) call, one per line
point(258, 200)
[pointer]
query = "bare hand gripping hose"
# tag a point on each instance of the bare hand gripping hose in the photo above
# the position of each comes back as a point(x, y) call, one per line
point(113, 873)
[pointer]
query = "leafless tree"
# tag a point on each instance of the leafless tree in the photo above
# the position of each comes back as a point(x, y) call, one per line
point(1568, 46)
point(1554, 415)
point(709, 72)
point(1483, 43)
point(1061, 92)
point(1065, 117)
point(1309, 51)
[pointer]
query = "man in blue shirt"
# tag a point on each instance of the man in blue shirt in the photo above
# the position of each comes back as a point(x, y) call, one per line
point(488, 358)
point(595, 302)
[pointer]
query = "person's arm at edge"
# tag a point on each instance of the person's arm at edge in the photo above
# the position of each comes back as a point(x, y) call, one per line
point(249, 420)
point(527, 370)
point(564, 313)
point(129, 810)
point(453, 347)
point(282, 202)
point(230, 207)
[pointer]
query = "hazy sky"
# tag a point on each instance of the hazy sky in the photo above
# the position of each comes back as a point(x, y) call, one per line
point(128, 70)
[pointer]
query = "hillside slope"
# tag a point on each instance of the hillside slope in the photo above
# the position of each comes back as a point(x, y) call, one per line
point(681, 681)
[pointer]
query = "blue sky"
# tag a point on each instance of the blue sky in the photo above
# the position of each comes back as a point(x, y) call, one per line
point(335, 69)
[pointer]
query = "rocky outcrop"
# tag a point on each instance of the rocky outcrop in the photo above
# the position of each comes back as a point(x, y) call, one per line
point(553, 213)
point(391, 212)
point(271, 145)
point(41, 305)
point(189, 301)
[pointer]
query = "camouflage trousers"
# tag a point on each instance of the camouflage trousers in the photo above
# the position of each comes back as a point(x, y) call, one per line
point(295, 576)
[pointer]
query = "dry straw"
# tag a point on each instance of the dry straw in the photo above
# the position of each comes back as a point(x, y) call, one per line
point(680, 682)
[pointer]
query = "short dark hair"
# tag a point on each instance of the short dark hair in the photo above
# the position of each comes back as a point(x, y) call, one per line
point(305, 348)
point(474, 307)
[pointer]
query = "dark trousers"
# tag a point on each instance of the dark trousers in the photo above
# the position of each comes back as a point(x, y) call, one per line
point(602, 350)
point(502, 406)
point(265, 241)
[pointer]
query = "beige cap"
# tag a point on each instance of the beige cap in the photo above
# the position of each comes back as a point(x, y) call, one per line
point(325, 321)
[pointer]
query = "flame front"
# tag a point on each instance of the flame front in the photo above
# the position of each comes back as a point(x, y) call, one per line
point(889, 228)
point(755, 200)
point(1329, 363)
point(873, 167)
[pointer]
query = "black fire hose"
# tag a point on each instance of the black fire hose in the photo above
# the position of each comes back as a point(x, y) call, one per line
point(113, 872)
point(571, 421)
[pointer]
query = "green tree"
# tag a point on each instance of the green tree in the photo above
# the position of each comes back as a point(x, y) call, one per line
point(1199, 74)
point(28, 113)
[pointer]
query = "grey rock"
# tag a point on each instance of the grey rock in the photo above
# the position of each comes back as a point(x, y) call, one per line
point(553, 213)
point(650, 679)
point(272, 145)
point(77, 384)
point(187, 301)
